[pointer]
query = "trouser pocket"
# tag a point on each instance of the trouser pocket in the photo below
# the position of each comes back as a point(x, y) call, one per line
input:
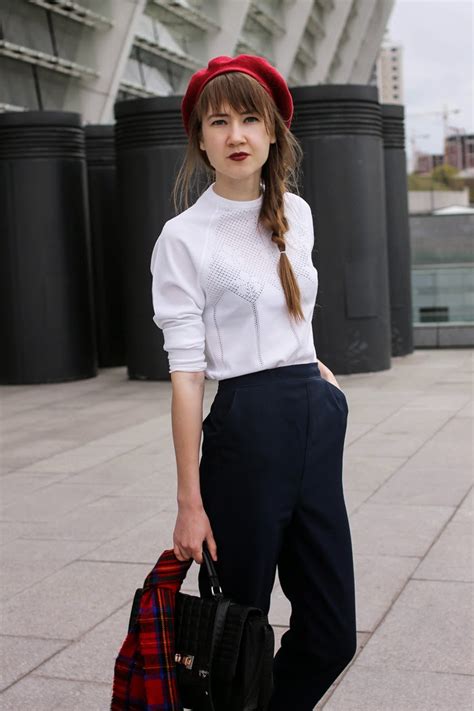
point(221, 411)
point(338, 393)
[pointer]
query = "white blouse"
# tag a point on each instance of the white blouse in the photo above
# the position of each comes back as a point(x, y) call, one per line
point(216, 291)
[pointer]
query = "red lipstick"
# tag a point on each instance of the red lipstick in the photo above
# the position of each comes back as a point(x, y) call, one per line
point(238, 156)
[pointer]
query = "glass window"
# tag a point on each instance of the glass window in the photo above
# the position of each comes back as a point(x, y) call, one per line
point(444, 293)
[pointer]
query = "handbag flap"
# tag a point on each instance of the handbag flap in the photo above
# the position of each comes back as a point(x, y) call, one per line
point(193, 629)
point(227, 653)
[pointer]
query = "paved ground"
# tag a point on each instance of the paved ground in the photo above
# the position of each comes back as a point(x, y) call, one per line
point(88, 504)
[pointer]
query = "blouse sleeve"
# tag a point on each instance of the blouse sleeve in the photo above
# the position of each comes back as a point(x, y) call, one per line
point(301, 212)
point(178, 302)
point(308, 215)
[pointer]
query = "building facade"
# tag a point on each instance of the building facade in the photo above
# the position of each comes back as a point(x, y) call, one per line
point(425, 162)
point(387, 73)
point(83, 56)
point(459, 150)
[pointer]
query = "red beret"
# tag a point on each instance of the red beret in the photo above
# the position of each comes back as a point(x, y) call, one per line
point(257, 67)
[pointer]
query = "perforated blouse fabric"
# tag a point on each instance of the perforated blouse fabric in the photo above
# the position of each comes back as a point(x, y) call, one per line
point(216, 291)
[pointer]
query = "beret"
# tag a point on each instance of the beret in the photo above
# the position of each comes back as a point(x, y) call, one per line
point(257, 67)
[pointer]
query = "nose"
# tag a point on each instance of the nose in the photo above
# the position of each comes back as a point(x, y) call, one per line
point(236, 132)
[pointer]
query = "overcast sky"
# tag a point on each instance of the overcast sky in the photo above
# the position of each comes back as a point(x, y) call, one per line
point(437, 40)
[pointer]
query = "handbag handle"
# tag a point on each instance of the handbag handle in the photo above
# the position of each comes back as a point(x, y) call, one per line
point(211, 571)
point(219, 621)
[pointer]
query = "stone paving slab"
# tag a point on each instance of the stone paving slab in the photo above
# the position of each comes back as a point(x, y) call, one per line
point(45, 694)
point(387, 689)
point(21, 655)
point(121, 471)
point(72, 600)
point(426, 629)
point(101, 520)
point(53, 501)
point(361, 472)
point(28, 447)
point(91, 657)
point(425, 486)
point(354, 498)
point(395, 444)
point(465, 511)
point(401, 529)
point(78, 459)
point(380, 579)
point(15, 485)
point(451, 556)
point(143, 543)
point(26, 562)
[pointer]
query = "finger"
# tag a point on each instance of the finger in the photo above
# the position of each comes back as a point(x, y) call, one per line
point(212, 546)
point(183, 554)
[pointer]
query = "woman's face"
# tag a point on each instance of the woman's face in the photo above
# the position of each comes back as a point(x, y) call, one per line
point(231, 132)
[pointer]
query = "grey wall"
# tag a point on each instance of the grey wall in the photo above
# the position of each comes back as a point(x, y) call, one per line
point(442, 239)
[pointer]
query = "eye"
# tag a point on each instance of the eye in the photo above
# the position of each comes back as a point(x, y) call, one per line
point(217, 121)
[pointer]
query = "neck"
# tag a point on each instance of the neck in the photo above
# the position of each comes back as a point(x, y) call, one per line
point(248, 189)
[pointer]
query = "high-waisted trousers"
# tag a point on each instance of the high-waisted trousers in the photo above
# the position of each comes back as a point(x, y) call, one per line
point(271, 484)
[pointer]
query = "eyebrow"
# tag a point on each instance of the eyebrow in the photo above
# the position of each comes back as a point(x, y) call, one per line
point(242, 113)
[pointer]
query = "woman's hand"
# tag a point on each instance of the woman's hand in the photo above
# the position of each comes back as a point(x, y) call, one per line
point(191, 529)
point(328, 374)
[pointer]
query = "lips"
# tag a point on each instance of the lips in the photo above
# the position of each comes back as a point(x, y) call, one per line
point(238, 156)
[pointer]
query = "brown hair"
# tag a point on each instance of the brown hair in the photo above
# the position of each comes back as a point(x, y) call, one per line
point(280, 173)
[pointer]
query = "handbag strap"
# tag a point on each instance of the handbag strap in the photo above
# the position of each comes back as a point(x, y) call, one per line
point(219, 619)
point(217, 632)
point(211, 571)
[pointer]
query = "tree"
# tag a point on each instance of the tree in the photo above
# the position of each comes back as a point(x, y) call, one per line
point(446, 175)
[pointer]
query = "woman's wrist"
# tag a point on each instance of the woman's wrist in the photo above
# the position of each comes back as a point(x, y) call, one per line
point(190, 502)
point(324, 370)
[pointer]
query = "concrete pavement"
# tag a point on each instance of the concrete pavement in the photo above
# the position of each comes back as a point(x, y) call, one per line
point(88, 502)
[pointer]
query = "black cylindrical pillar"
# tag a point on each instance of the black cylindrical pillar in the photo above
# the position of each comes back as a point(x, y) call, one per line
point(107, 265)
point(340, 130)
point(398, 229)
point(46, 311)
point(150, 143)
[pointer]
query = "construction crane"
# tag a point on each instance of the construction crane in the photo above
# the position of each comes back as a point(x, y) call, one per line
point(414, 150)
point(445, 113)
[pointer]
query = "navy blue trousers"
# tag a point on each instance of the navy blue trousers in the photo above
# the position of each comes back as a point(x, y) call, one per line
point(271, 484)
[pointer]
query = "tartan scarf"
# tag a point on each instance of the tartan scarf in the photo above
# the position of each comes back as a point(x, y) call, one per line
point(145, 671)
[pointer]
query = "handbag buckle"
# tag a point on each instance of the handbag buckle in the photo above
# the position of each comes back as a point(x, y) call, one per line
point(186, 659)
point(219, 589)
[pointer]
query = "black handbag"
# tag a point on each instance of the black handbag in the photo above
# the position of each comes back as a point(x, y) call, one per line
point(223, 651)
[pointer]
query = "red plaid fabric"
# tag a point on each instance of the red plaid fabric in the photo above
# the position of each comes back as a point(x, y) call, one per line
point(145, 671)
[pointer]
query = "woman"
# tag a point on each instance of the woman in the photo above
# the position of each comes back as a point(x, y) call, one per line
point(234, 289)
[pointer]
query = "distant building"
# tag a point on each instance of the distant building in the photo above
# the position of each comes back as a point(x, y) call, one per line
point(387, 73)
point(459, 150)
point(425, 162)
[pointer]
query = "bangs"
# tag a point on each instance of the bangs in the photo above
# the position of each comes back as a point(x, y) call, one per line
point(239, 91)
